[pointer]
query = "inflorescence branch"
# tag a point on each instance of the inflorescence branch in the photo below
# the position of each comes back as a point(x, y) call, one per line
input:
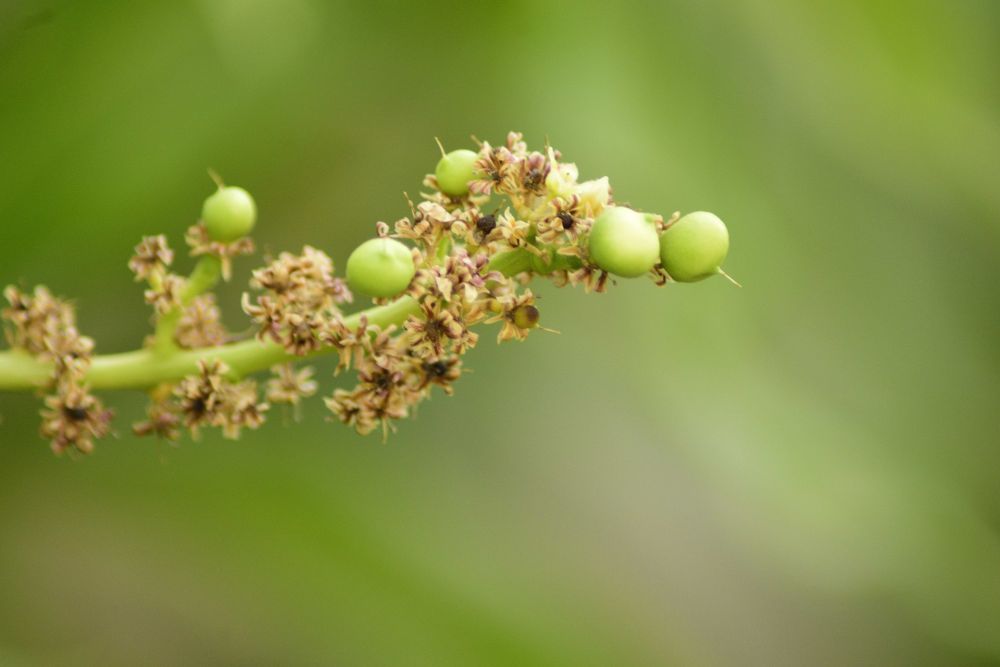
point(491, 221)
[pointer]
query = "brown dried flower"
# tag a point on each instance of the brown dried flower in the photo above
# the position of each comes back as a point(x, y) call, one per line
point(290, 386)
point(239, 409)
point(74, 418)
point(302, 300)
point(442, 372)
point(165, 294)
point(162, 421)
point(201, 243)
point(563, 221)
point(37, 320)
point(438, 327)
point(499, 170)
point(200, 395)
point(152, 257)
point(200, 324)
point(209, 399)
point(519, 316)
point(352, 412)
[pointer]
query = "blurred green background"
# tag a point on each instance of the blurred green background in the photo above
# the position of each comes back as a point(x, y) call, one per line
point(801, 472)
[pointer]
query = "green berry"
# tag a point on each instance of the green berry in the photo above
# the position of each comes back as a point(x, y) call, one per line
point(381, 267)
point(454, 171)
point(229, 214)
point(624, 242)
point(694, 247)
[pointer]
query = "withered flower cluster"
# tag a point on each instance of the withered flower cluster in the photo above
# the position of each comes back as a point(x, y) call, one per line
point(549, 214)
point(538, 217)
point(197, 317)
point(45, 327)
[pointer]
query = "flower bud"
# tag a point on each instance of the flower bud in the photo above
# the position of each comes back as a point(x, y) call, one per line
point(561, 179)
point(594, 196)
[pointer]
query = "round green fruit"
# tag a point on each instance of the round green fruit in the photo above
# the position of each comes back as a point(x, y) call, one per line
point(229, 214)
point(694, 247)
point(381, 267)
point(525, 317)
point(454, 171)
point(624, 242)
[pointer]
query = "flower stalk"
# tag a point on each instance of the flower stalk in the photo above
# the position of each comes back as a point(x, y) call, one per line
point(145, 368)
point(203, 278)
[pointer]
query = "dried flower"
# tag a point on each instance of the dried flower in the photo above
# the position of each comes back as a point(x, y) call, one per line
point(442, 372)
point(202, 243)
point(460, 276)
point(162, 421)
point(239, 409)
point(590, 276)
point(38, 320)
point(200, 324)
point(438, 328)
point(347, 342)
point(289, 385)
point(498, 167)
point(519, 316)
point(165, 294)
point(209, 399)
point(302, 303)
point(74, 418)
point(513, 232)
point(532, 172)
point(152, 257)
point(200, 395)
point(564, 221)
point(430, 221)
point(352, 412)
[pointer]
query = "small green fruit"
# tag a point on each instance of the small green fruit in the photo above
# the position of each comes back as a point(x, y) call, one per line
point(694, 247)
point(229, 214)
point(525, 317)
point(381, 267)
point(454, 171)
point(624, 242)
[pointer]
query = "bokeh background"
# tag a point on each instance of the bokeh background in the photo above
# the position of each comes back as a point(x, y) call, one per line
point(801, 472)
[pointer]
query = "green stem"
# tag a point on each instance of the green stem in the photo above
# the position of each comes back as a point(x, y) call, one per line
point(140, 369)
point(511, 262)
point(204, 277)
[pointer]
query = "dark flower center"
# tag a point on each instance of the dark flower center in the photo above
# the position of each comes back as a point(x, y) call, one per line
point(437, 369)
point(486, 224)
point(198, 407)
point(75, 414)
point(434, 330)
point(567, 220)
point(383, 381)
